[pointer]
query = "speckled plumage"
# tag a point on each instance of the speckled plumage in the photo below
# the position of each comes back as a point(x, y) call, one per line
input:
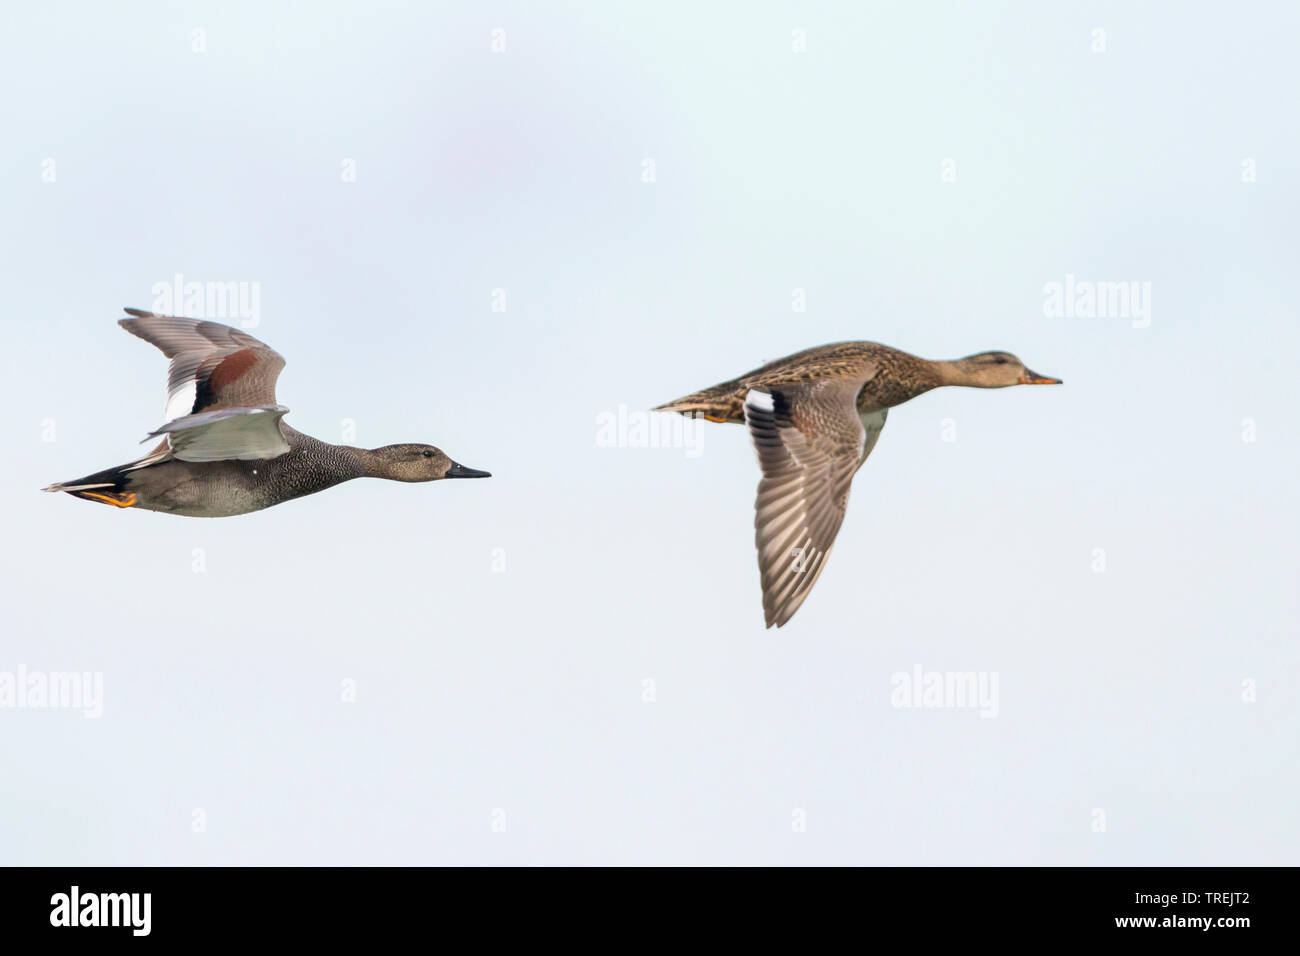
point(219, 489)
point(890, 377)
point(814, 418)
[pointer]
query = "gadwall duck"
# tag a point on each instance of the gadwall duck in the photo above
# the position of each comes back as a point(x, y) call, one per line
point(225, 448)
point(814, 417)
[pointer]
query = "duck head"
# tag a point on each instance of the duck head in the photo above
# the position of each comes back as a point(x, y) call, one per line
point(997, 370)
point(416, 463)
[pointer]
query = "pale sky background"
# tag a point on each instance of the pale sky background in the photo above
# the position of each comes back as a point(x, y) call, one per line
point(521, 690)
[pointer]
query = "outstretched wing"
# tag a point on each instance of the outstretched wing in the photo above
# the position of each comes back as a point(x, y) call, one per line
point(213, 365)
point(810, 441)
point(214, 369)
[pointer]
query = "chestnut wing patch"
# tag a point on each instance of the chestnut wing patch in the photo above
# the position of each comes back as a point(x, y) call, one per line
point(215, 375)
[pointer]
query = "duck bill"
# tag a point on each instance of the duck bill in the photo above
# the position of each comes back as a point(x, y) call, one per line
point(1033, 378)
point(458, 470)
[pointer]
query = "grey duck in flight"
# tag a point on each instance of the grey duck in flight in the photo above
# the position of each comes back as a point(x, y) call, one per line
point(225, 449)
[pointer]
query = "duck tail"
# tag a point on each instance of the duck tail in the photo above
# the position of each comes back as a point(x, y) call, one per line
point(107, 487)
point(721, 403)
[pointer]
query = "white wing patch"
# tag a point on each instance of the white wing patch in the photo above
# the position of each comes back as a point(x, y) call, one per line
point(181, 401)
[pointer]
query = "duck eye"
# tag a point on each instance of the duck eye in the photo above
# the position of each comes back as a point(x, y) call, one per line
point(428, 454)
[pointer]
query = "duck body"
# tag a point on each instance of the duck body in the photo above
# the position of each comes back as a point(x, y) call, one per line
point(226, 449)
point(814, 417)
point(221, 489)
point(897, 377)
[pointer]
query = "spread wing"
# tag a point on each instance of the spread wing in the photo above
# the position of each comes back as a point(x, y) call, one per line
point(220, 390)
point(810, 440)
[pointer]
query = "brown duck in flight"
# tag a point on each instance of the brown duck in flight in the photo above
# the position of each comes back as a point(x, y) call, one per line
point(814, 417)
point(225, 449)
